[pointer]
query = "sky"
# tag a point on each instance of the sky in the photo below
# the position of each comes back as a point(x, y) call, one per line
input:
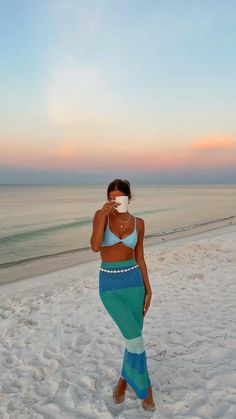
point(97, 90)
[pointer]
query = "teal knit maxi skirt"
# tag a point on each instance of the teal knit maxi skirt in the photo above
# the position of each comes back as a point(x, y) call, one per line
point(122, 292)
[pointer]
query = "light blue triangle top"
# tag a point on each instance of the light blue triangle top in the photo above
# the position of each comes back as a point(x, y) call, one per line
point(109, 238)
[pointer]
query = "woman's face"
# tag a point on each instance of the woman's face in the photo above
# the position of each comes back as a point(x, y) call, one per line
point(113, 194)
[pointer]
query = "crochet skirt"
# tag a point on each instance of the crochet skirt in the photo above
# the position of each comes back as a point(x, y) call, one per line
point(122, 292)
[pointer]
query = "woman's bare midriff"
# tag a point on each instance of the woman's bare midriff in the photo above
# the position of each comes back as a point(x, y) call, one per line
point(118, 251)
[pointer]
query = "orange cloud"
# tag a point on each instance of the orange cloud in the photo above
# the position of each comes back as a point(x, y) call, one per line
point(213, 143)
point(81, 153)
point(67, 151)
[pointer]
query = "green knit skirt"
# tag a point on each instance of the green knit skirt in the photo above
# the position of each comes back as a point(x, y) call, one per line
point(122, 292)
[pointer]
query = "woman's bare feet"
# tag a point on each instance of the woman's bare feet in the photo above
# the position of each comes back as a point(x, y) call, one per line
point(148, 403)
point(119, 391)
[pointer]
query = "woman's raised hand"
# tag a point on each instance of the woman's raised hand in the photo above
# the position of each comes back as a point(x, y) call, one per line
point(109, 206)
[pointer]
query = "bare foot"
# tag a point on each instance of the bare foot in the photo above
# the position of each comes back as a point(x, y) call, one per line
point(148, 403)
point(119, 391)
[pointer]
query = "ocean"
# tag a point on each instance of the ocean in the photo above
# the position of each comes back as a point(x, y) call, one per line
point(38, 221)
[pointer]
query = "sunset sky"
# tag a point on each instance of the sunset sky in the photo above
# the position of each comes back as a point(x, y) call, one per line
point(94, 90)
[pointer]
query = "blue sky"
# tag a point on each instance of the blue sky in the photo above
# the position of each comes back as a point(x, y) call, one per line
point(81, 79)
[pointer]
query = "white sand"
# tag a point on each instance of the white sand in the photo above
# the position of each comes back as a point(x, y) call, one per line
point(61, 352)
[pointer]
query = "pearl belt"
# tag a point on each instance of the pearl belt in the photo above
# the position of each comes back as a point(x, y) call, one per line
point(119, 270)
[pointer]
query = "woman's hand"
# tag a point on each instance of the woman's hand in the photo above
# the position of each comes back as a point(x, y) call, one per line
point(109, 206)
point(147, 302)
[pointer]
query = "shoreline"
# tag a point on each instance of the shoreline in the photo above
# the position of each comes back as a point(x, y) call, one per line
point(57, 263)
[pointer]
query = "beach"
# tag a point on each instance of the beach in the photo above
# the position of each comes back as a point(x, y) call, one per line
point(105, 102)
point(61, 352)
point(45, 228)
point(38, 266)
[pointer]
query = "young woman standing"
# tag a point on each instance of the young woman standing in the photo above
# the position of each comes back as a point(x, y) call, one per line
point(124, 287)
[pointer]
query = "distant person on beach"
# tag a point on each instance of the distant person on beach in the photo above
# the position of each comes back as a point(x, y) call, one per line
point(124, 287)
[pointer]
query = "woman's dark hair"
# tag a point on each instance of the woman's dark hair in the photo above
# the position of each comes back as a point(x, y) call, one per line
point(121, 185)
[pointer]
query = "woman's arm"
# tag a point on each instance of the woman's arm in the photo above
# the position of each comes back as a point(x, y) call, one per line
point(99, 220)
point(98, 229)
point(139, 257)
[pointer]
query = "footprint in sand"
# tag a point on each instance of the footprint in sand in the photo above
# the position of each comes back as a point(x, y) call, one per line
point(82, 342)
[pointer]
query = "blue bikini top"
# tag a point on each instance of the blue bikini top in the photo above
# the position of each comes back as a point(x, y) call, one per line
point(109, 238)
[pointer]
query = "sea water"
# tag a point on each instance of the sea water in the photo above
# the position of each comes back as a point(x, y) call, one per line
point(42, 220)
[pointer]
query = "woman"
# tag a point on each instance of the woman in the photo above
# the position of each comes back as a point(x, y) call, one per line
point(124, 287)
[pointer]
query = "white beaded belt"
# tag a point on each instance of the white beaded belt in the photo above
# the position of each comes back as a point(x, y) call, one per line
point(119, 270)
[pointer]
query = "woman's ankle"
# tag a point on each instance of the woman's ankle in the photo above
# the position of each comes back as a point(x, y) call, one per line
point(122, 383)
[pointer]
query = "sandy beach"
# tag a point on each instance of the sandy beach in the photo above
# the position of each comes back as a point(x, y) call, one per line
point(61, 353)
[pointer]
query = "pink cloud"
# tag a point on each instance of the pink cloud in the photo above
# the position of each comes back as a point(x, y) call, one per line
point(214, 143)
point(78, 154)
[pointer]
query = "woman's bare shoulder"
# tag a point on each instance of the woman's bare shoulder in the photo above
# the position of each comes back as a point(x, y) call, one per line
point(140, 224)
point(140, 220)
